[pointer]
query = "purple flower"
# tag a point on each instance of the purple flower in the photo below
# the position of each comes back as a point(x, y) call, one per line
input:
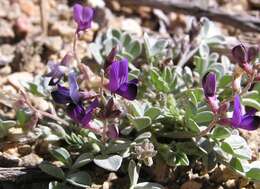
point(209, 84)
point(110, 110)
point(118, 80)
point(113, 131)
point(64, 95)
point(57, 70)
point(73, 99)
point(248, 121)
point(78, 113)
point(243, 56)
point(83, 16)
point(110, 58)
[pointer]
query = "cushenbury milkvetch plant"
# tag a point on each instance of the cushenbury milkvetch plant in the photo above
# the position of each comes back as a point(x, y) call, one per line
point(139, 115)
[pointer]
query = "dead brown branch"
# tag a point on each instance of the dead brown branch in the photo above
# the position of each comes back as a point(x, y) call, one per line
point(245, 23)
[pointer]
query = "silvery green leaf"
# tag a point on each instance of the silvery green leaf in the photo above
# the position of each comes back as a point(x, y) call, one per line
point(143, 136)
point(182, 159)
point(52, 170)
point(152, 112)
point(80, 179)
point(203, 117)
point(117, 146)
point(225, 80)
point(236, 164)
point(110, 43)
point(127, 130)
point(112, 163)
point(134, 48)
point(126, 39)
point(95, 50)
point(136, 108)
point(116, 33)
point(217, 39)
point(158, 82)
point(62, 155)
point(193, 126)
point(201, 65)
point(133, 172)
point(4, 126)
point(217, 68)
point(252, 94)
point(140, 122)
point(148, 185)
point(254, 174)
point(209, 29)
point(204, 51)
point(251, 103)
point(220, 133)
point(239, 147)
point(82, 160)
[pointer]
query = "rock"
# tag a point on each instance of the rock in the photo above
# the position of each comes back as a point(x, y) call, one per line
point(22, 26)
point(217, 176)
point(6, 54)
point(191, 184)
point(54, 43)
point(18, 78)
point(40, 103)
point(64, 11)
point(14, 11)
point(6, 70)
point(62, 28)
point(30, 160)
point(24, 149)
point(29, 8)
point(5, 5)
point(34, 65)
point(6, 31)
point(231, 184)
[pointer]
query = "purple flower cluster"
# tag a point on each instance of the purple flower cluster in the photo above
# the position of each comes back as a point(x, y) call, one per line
point(240, 118)
point(74, 99)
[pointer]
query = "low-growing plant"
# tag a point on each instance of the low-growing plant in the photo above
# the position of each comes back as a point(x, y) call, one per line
point(143, 114)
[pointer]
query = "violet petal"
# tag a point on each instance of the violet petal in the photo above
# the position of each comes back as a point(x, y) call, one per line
point(128, 91)
point(76, 112)
point(209, 84)
point(73, 88)
point(83, 16)
point(251, 54)
point(240, 54)
point(249, 123)
point(113, 77)
point(88, 114)
point(61, 95)
point(113, 132)
point(237, 114)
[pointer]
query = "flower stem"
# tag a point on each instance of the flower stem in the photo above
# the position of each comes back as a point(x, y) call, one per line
point(209, 128)
point(251, 80)
point(75, 47)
